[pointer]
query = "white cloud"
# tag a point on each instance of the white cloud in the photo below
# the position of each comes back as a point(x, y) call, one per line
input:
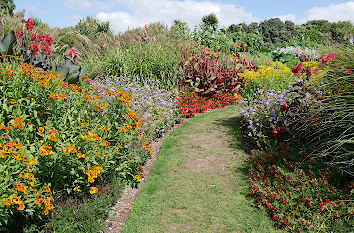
point(165, 11)
point(89, 5)
point(334, 12)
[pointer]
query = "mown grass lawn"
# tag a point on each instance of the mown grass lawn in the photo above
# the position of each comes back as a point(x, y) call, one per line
point(197, 183)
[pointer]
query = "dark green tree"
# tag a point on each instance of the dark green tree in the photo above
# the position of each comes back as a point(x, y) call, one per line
point(275, 31)
point(6, 6)
point(210, 21)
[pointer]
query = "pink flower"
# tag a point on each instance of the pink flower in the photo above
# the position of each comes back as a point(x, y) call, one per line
point(72, 54)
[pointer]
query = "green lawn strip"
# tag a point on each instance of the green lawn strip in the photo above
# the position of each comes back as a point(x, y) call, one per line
point(197, 183)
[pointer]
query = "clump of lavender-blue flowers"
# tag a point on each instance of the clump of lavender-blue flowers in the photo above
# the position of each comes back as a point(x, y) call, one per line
point(156, 107)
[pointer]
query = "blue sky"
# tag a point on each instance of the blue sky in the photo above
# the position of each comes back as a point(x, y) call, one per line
point(125, 14)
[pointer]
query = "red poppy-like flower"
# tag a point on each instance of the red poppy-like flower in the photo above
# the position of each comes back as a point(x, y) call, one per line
point(296, 69)
point(34, 48)
point(29, 23)
point(72, 53)
point(283, 107)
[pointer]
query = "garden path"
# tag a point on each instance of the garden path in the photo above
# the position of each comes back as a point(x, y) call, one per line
point(197, 183)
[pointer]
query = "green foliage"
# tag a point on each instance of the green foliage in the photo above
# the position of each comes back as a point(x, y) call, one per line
point(210, 21)
point(71, 73)
point(6, 6)
point(275, 31)
point(150, 61)
point(310, 38)
point(226, 40)
point(180, 30)
point(91, 27)
point(7, 43)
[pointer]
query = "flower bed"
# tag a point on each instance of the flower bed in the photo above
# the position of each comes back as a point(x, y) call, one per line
point(57, 137)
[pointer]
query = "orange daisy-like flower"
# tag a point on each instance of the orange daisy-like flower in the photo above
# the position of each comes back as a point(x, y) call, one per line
point(6, 202)
point(20, 207)
point(41, 129)
point(46, 189)
point(93, 190)
point(52, 138)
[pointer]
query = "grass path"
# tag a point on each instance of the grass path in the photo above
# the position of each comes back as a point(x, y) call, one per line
point(197, 183)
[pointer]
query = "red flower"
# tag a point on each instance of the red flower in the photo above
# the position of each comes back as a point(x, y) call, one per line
point(283, 107)
point(308, 71)
point(296, 69)
point(29, 23)
point(34, 48)
point(72, 54)
point(34, 37)
point(46, 49)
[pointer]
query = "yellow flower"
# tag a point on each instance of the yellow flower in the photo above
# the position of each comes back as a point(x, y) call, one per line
point(76, 189)
point(41, 130)
point(20, 207)
point(138, 178)
point(93, 190)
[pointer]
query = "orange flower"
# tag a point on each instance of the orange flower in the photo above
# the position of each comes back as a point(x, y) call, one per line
point(191, 58)
point(46, 189)
point(80, 155)
point(13, 102)
point(20, 188)
point(41, 130)
point(20, 207)
point(93, 190)
point(6, 202)
point(19, 119)
point(2, 126)
point(138, 178)
point(53, 131)
point(105, 128)
point(52, 138)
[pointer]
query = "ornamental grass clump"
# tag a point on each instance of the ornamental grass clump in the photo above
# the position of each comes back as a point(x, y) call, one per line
point(156, 107)
point(57, 138)
point(327, 126)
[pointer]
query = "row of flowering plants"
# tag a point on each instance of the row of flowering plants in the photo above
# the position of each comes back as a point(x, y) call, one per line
point(156, 106)
point(190, 104)
point(57, 137)
point(301, 189)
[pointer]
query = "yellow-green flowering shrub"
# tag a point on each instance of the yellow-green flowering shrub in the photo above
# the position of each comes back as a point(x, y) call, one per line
point(276, 76)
